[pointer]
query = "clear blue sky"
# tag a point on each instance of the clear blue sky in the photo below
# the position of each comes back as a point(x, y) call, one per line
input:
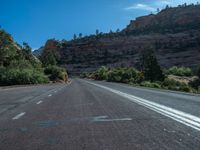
point(35, 21)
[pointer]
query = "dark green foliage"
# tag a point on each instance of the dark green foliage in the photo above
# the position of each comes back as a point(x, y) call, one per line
point(26, 49)
point(172, 84)
point(17, 64)
point(195, 83)
point(124, 75)
point(198, 72)
point(84, 75)
point(7, 49)
point(56, 73)
point(150, 67)
point(134, 77)
point(49, 59)
point(21, 76)
point(150, 84)
point(179, 71)
point(102, 73)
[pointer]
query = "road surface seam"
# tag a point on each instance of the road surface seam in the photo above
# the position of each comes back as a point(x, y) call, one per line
point(182, 117)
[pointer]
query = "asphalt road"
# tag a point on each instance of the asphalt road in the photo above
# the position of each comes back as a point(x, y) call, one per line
point(94, 115)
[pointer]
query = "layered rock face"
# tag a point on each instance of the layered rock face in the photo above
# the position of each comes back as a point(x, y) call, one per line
point(174, 34)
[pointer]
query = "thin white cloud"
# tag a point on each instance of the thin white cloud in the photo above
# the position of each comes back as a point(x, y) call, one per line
point(163, 2)
point(141, 7)
point(159, 4)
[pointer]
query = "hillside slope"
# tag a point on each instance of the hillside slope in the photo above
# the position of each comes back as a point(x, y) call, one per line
point(174, 34)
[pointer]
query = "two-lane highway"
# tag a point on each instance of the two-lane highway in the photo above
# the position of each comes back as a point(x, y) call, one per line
point(95, 115)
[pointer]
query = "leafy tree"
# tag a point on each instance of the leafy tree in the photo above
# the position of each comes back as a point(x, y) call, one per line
point(7, 49)
point(26, 48)
point(19, 66)
point(49, 59)
point(150, 67)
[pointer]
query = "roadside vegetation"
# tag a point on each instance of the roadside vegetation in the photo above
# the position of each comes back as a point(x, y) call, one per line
point(18, 65)
point(150, 74)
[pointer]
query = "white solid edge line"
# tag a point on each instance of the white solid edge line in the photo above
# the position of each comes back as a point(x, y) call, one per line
point(18, 116)
point(182, 117)
point(39, 102)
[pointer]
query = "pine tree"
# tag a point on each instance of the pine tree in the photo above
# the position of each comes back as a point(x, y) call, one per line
point(150, 67)
point(75, 37)
point(97, 32)
point(80, 35)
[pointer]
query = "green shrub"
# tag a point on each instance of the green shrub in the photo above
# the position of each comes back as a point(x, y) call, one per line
point(198, 90)
point(172, 84)
point(114, 76)
point(124, 75)
point(185, 88)
point(198, 72)
point(56, 73)
point(195, 83)
point(150, 84)
point(181, 71)
point(102, 73)
point(84, 75)
point(21, 76)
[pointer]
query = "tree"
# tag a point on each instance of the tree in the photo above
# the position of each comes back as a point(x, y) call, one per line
point(167, 7)
point(150, 67)
point(118, 30)
point(8, 50)
point(80, 35)
point(75, 37)
point(97, 32)
point(26, 48)
point(49, 59)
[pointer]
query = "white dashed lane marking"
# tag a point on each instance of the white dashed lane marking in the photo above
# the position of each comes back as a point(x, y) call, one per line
point(19, 116)
point(39, 102)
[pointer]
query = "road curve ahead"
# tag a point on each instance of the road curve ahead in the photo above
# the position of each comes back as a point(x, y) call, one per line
point(95, 115)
